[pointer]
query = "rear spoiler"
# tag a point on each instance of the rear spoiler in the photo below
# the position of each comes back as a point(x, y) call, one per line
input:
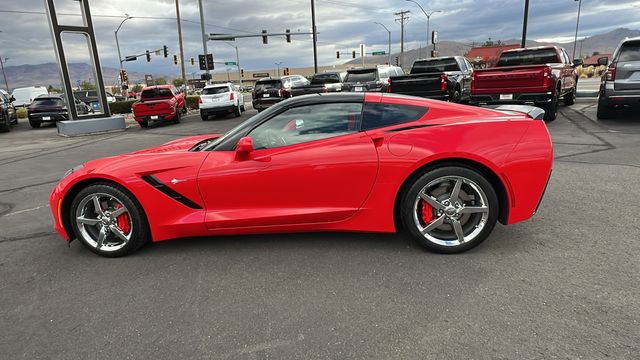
point(533, 112)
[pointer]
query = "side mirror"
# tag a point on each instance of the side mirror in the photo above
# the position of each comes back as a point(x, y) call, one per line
point(603, 61)
point(244, 148)
point(577, 62)
point(12, 99)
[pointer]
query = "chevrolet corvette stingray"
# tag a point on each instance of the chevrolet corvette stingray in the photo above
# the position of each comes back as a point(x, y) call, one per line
point(370, 162)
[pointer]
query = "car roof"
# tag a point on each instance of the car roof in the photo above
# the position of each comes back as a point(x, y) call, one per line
point(531, 48)
point(217, 85)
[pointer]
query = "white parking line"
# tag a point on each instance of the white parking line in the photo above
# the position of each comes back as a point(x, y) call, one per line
point(26, 210)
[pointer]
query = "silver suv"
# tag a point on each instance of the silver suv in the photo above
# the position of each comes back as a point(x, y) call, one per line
point(620, 86)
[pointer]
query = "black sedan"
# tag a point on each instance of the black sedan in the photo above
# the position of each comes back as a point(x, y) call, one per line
point(52, 109)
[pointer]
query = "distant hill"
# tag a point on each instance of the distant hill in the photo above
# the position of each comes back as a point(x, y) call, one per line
point(602, 43)
point(48, 74)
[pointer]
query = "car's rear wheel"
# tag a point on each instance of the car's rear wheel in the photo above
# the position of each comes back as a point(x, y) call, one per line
point(570, 98)
point(236, 111)
point(450, 209)
point(176, 119)
point(108, 220)
point(144, 123)
point(5, 126)
point(551, 108)
point(34, 124)
point(605, 111)
point(455, 98)
point(204, 117)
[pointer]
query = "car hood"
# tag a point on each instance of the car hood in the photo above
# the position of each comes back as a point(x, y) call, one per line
point(179, 145)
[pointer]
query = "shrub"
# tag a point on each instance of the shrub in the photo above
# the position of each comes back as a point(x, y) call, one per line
point(121, 107)
point(192, 102)
point(21, 112)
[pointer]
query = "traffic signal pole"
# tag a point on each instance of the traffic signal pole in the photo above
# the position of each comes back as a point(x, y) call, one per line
point(204, 35)
point(184, 70)
point(315, 37)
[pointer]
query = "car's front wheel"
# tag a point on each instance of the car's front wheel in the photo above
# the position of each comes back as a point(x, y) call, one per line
point(604, 111)
point(109, 220)
point(34, 124)
point(570, 98)
point(450, 209)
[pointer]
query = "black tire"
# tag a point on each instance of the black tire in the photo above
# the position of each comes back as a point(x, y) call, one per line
point(551, 108)
point(139, 233)
point(15, 121)
point(455, 98)
point(5, 126)
point(604, 111)
point(143, 124)
point(204, 117)
point(242, 108)
point(236, 111)
point(176, 118)
point(570, 97)
point(410, 200)
point(184, 109)
point(34, 124)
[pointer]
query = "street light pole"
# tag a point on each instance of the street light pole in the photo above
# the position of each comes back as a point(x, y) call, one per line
point(428, 15)
point(278, 65)
point(2, 61)
point(524, 24)
point(389, 31)
point(237, 63)
point(575, 39)
point(315, 38)
point(182, 65)
point(127, 17)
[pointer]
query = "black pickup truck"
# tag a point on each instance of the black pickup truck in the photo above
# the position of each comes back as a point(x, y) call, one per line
point(442, 78)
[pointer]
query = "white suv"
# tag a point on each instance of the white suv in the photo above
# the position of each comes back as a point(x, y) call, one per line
point(220, 99)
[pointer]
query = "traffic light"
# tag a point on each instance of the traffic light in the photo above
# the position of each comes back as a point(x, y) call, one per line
point(337, 54)
point(209, 58)
point(192, 61)
point(353, 54)
point(148, 56)
point(175, 59)
point(265, 40)
point(397, 61)
point(288, 36)
point(241, 72)
point(165, 51)
point(123, 76)
point(286, 71)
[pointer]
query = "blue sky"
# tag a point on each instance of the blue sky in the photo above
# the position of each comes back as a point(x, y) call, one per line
point(343, 25)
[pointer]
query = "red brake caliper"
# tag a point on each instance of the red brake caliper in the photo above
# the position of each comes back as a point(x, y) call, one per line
point(124, 223)
point(427, 212)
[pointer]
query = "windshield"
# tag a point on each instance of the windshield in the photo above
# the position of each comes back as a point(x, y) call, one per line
point(155, 93)
point(528, 57)
point(361, 76)
point(432, 66)
point(321, 79)
point(266, 85)
point(630, 51)
point(215, 90)
point(48, 102)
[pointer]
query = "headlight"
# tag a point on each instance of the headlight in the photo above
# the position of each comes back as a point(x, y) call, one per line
point(72, 170)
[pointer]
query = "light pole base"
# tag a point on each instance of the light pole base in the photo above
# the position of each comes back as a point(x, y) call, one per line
point(91, 126)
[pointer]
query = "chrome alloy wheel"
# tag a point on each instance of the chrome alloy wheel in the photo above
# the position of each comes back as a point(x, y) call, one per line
point(104, 222)
point(451, 211)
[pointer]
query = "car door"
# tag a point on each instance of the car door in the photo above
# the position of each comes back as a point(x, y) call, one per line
point(310, 165)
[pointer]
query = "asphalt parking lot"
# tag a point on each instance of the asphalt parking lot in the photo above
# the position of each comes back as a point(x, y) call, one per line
point(564, 284)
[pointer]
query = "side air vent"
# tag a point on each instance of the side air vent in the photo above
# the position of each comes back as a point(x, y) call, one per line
point(153, 181)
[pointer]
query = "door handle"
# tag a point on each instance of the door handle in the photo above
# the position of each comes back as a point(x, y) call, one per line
point(377, 140)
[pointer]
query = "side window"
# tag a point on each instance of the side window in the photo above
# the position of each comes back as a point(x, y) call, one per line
point(383, 73)
point(377, 115)
point(567, 60)
point(307, 123)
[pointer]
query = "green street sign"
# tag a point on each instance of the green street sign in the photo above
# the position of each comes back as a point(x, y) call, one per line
point(378, 53)
point(230, 63)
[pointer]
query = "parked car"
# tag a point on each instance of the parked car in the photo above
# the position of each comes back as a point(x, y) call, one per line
point(370, 79)
point(620, 84)
point(442, 78)
point(8, 115)
point(320, 83)
point(25, 95)
point(267, 92)
point(371, 161)
point(159, 104)
point(541, 75)
point(220, 99)
point(52, 108)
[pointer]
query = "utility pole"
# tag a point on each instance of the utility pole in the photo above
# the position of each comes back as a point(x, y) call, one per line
point(315, 36)
point(184, 70)
point(402, 18)
point(524, 24)
point(205, 37)
point(2, 61)
point(428, 15)
point(575, 39)
point(278, 65)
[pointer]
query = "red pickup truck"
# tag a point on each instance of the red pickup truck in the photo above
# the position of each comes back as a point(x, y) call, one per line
point(540, 75)
point(159, 103)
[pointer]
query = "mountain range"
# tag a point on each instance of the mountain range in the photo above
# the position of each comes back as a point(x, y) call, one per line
point(47, 74)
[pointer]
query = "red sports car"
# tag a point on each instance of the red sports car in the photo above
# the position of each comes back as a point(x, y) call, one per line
point(327, 162)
